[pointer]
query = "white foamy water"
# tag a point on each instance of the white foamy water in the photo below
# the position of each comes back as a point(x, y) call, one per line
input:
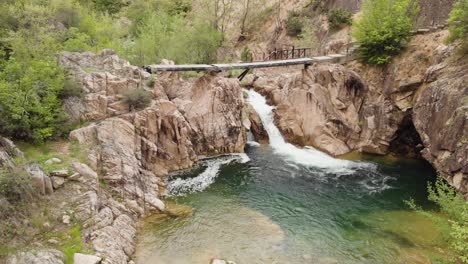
point(304, 156)
point(179, 186)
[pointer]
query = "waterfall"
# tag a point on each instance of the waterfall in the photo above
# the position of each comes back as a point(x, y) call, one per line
point(308, 156)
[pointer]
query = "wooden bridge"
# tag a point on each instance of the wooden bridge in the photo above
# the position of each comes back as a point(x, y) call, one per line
point(277, 58)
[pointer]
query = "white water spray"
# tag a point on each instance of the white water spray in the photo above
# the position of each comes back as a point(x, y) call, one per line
point(304, 156)
point(179, 186)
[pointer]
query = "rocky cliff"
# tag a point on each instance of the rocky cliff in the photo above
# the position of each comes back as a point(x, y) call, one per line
point(416, 105)
point(128, 152)
point(131, 150)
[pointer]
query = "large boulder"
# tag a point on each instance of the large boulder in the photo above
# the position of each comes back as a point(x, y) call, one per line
point(317, 107)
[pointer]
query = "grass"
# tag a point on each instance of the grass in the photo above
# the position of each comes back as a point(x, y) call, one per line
point(67, 152)
point(70, 242)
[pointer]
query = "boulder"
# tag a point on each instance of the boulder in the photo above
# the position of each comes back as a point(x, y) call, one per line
point(59, 173)
point(57, 182)
point(39, 179)
point(79, 258)
point(53, 160)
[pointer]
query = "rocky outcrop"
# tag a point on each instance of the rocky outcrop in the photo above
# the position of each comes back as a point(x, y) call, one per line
point(400, 108)
point(47, 256)
point(9, 152)
point(103, 78)
point(441, 117)
point(130, 151)
point(317, 107)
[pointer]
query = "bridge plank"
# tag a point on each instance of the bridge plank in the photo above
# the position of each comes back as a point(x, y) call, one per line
point(230, 66)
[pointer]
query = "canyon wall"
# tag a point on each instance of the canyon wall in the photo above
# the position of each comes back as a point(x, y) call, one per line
point(414, 106)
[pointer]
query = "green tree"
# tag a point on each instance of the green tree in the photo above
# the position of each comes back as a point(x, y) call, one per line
point(384, 29)
point(458, 22)
point(294, 24)
point(339, 17)
point(29, 103)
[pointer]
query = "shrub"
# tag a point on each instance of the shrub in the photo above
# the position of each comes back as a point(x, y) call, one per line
point(384, 29)
point(68, 15)
point(458, 22)
point(16, 186)
point(454, 223)
point(29, 99)
point(339, 17)
point(109, 6)
point(137, 99)
point(246, 55)
point(294, 24)
point(71, 88)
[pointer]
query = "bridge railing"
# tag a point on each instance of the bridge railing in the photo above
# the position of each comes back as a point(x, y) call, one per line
point(285, 54)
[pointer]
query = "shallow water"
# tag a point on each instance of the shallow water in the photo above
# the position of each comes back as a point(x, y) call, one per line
point(292, 205)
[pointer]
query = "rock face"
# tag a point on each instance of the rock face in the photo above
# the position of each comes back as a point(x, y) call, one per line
point(441, 118)
point(129, 151)
point(8, 152)
point(49, 256)
point(400, 108)
point(317, 107)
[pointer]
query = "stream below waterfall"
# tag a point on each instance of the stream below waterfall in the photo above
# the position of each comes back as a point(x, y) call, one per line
point(284, 204)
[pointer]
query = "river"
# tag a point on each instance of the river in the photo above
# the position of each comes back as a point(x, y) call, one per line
point(282, 204)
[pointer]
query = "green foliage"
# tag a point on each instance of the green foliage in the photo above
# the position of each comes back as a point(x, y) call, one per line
point(15, 187)
point(458, 22)
point(170, 37)
point(29, 99)
point(246, 54)
point(455, 223)
point(109, 6)
point(339, 17)
point(384, 29)
point(137, 99)
point(294, 24)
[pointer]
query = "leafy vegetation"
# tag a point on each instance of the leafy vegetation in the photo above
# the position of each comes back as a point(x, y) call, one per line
point(33, 33)
point(137, 99)
point(454, 223)
point(339, 17)
point(246, 54)
point(458, 22)
point(294, 24)
point(384, 29)
point(15, 187)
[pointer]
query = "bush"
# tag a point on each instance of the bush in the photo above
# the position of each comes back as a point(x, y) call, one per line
point(294, 24)
point(458, 22)
point(29, 99)
point(16, 186)
point(246, 55)
point(454, 223)
point(109, 6)
point(170, 37)
point(384, 29)
point(137, 99)
point(71, 88)
point(339, 17)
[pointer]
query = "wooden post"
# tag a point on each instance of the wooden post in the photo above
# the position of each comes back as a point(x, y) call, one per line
point(293, 52)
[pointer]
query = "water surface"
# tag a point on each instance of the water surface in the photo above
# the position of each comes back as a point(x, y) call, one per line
point(293, 205)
